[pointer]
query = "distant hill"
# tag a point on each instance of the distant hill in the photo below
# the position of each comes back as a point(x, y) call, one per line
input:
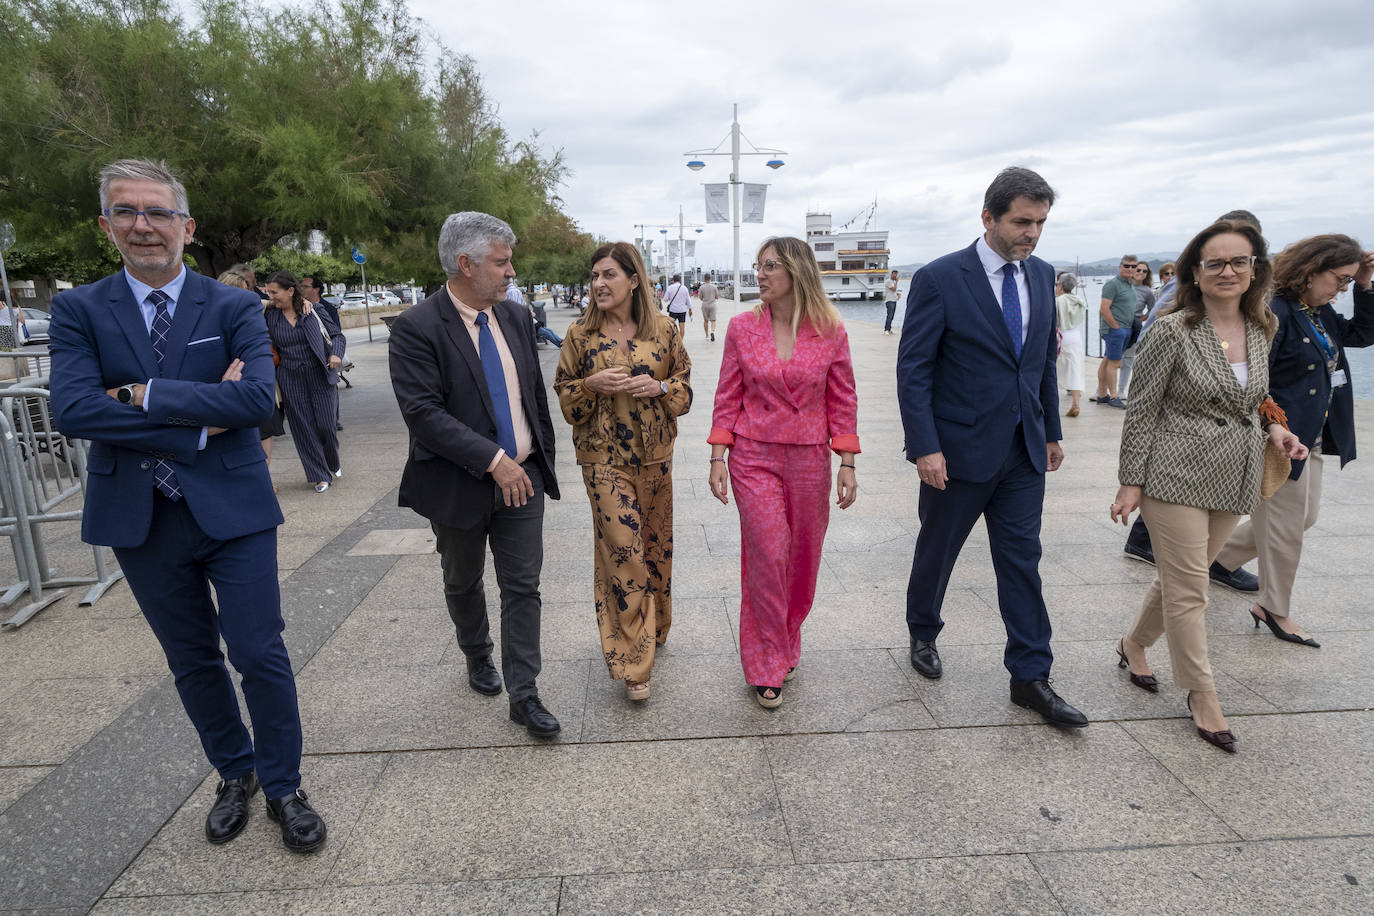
point(1107, 266)
point(905, 269)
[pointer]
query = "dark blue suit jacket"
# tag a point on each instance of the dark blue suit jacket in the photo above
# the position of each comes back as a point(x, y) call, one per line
point(98, 341)
point(1298, 380)
point(960, 386)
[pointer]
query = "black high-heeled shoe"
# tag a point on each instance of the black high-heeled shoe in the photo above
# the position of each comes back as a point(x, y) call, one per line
point(1279, 631)
point(1223, 739)
point(1143, 681)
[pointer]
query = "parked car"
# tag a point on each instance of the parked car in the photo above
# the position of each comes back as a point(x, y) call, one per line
point(36, 320)
point(405, 295)
point(336, 301)
point(374, 300)
point(388, 298)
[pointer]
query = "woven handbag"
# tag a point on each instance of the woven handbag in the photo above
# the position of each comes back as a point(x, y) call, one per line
point(1277, 465)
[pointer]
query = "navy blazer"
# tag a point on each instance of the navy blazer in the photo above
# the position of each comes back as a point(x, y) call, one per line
point(276, 321)
point(98, 341)
point(960, 386)
point(442, 392)
point(1299, 382)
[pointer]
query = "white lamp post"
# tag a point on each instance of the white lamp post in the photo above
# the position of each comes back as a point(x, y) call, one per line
point(697, 165)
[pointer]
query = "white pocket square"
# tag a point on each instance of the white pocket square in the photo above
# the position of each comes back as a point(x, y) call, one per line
point(203, 340)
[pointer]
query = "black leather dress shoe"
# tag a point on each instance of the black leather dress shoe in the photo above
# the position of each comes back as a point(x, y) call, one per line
point(1238, 579)
point(302, 830)
point(229, 814)
point(537, 720)
point(1145, 554)
point(1038, 695)
point(925, 658)
point(483, 676)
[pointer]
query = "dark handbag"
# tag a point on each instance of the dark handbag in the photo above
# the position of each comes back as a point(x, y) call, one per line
point(1135, 333)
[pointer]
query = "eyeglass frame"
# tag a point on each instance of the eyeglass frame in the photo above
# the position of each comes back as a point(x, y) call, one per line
point(109, 212)
point(1342, 282)
point(769, 265)
point(1248, 259)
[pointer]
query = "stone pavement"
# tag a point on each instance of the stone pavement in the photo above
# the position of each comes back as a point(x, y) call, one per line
point(870, 790)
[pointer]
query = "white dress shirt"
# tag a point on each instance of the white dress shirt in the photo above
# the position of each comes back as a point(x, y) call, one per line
point(993, 264)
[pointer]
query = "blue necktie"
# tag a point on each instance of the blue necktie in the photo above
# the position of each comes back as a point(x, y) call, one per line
point(496, 385)
point(1011, 306)
point(164, 478)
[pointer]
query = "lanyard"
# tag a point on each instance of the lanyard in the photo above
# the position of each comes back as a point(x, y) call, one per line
point(1325, 342)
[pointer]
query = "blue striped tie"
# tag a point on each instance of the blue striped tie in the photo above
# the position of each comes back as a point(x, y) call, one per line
point(496, 385)
point(1011, 305)
point(164, 478)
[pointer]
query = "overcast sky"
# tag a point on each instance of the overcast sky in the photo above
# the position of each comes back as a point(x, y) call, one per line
point(1148, 119)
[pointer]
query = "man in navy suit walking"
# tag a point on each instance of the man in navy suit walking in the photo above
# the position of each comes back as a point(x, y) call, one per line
point(169, 374)
point(980, 409)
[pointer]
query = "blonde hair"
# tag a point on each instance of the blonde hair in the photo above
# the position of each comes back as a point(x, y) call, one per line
point(811, 303)
point(232, 277)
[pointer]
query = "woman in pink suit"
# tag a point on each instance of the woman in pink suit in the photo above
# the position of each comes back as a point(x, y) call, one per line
point(785, 400)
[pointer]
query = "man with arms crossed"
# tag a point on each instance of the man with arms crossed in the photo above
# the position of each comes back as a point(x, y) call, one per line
point(980, 410)
point(465, 370)
point(169, 374)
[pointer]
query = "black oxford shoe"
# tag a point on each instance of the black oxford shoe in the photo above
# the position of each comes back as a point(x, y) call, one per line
point(926, 659)
point(1038, 696)
point(537, 720)
point(302, 830)
point(482, 675)
point(229, 814)
point(1241, 580)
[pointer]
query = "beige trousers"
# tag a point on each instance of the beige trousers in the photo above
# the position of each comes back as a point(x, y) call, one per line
point(1274, 534)
point(1185, 540)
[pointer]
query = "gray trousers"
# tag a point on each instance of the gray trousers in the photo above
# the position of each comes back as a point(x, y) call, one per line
point(516, 537)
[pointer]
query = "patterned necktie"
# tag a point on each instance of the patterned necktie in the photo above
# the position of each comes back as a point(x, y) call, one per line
point(1011, 306)
point(496, 385)
point(164, 478)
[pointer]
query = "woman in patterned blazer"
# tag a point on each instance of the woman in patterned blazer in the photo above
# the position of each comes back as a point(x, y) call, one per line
point(1192, 449)
point(623, 379)
point(785, 400)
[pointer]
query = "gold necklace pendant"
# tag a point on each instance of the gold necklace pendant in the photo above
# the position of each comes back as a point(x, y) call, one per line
point(1226, 344)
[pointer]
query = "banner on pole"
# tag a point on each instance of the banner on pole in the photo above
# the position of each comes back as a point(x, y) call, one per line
point(672, 249)
point(717, 203)
point(752, 205)
point(691, 248)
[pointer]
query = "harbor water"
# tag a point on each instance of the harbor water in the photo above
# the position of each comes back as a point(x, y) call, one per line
point(1361, 361)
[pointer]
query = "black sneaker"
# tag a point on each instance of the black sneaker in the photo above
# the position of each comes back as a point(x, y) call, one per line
point(1144, 554)
point(1238, 579)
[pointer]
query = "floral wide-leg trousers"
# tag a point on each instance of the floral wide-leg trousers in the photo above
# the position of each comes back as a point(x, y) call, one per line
point(783, 495)
point(632, 519)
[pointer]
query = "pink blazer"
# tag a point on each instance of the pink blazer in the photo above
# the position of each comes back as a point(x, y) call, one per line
point(806, 400)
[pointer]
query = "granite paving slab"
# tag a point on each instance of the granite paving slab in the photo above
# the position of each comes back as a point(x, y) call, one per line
point(707, 696)
point(16, 781)
point(568, 809)
point(1274, 878)
point(533, 897)
point(955, 792)
point(1298, 678)
point(48, 719)
point(1292, 776)
point(972, 885)
point(377, 708)
point(179, 860)
point(975, 688)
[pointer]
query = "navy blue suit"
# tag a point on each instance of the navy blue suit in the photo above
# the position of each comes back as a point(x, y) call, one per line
point(963, 391)
point(223, 529)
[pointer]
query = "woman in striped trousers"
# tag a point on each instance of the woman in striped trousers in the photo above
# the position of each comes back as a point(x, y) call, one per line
point(310, 345)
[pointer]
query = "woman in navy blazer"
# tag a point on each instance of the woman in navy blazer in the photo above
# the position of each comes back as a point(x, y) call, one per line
point(310, 345)
point(1309, 377)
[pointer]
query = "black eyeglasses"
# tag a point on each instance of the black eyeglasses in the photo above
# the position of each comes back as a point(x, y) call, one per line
point(126, 217)
point(1342, 280)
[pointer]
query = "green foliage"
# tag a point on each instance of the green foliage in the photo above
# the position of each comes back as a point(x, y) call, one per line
point(317, 116)
point(326, 268)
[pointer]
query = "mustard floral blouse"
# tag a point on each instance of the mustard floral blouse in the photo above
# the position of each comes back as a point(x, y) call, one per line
point(622, 429)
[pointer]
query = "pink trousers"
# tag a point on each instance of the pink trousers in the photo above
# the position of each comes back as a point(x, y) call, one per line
point(783, 496)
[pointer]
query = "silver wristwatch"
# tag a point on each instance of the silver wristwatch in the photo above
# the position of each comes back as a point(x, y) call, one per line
point(125, 394)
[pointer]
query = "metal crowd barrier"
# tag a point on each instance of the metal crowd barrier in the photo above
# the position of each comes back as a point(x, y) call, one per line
point(42, 470)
